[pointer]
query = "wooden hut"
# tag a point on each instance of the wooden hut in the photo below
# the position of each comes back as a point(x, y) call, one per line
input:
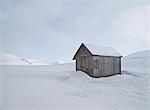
point(97, 61)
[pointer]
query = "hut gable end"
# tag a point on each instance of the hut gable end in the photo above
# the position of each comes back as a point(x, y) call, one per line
point(82, 51)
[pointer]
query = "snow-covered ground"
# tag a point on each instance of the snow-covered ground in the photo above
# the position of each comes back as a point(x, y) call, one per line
point(60, 87)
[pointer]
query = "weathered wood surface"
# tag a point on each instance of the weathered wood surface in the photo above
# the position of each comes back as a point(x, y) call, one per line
point(96, 65)
point(106, 66)
point(82, 51)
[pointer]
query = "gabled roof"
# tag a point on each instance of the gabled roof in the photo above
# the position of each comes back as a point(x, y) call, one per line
point(102, 51)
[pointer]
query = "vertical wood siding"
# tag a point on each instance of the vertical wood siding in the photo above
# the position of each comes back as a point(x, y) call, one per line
point(106, 66)
point(97, 66)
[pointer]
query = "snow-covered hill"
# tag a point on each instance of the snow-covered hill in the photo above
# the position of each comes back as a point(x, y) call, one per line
point(36, 62)
point(9, 59)
point(140, 54)
point(138, 60)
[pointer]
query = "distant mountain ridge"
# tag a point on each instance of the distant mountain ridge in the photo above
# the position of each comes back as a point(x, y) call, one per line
point(9, 59)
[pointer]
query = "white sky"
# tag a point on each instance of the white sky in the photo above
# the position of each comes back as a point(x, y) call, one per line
point(54, 29)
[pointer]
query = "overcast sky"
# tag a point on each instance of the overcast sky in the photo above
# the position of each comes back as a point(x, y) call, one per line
point(54, 29)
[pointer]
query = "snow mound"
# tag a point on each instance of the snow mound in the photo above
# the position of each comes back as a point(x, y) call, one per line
point(98, 50)
point(140, 54)
point(138, 60)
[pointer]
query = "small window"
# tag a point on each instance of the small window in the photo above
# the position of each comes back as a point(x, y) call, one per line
point(96, 64)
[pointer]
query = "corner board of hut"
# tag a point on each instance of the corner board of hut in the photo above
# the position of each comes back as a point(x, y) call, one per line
point(97, 61)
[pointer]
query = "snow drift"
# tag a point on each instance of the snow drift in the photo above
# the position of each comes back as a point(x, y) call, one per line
point(138, 60)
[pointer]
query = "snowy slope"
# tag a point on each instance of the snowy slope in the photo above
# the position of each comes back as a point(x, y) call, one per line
point(140, 54)
point(60, 87)
point(138, 60)
point(9, 59)
point(36, 62)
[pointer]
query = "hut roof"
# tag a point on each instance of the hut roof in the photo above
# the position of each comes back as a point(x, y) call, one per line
point(98, 50)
